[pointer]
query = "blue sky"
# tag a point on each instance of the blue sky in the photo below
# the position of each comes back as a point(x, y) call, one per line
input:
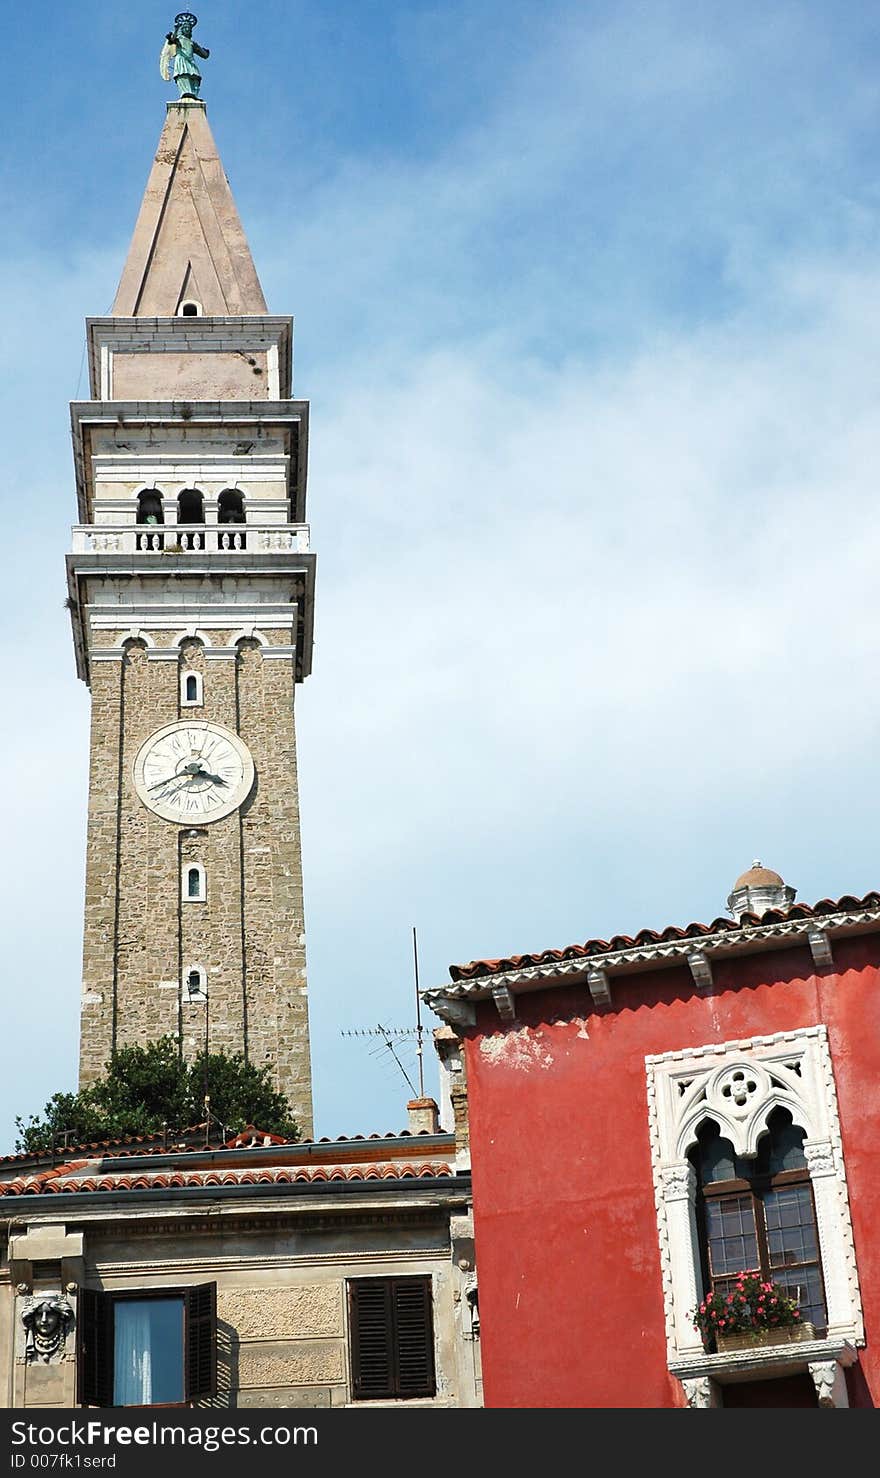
point(587, 306)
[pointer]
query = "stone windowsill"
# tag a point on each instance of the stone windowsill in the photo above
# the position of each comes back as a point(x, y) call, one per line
point(764, 1362)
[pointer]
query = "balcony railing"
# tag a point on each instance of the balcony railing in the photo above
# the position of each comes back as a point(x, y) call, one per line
point(184, 538)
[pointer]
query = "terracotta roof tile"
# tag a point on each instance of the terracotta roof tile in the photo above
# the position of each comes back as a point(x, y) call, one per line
point(478, 968)
point(63, 1180)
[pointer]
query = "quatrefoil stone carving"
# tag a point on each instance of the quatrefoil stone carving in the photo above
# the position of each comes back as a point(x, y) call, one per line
point(738, 1085)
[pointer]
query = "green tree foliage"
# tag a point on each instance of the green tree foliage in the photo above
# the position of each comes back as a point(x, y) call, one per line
point(145, 1088)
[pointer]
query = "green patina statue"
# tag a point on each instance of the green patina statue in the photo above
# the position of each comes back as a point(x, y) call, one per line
point(178, 59)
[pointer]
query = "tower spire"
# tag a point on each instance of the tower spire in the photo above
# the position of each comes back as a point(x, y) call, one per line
point(188, 244)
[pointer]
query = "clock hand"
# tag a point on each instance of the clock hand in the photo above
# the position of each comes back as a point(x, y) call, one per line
point(189, 772)
point(165, 795)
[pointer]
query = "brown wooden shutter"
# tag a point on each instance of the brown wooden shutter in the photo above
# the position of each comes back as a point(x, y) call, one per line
point(392, 1338)
point(414, 1336)
point(200, 1353)
point(94, 1348)
point(371, 1338)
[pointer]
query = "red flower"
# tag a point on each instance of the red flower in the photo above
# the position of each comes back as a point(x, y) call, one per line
point(729, 1298)
point(795, 1314)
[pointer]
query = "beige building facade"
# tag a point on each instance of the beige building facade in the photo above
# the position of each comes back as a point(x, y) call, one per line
point(248, 1274)
point(191, 592)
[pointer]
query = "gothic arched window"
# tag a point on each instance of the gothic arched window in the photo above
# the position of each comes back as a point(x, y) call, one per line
point(749, 1176)
point(756, 1215)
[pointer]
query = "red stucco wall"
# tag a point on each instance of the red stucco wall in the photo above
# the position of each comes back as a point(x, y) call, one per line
point(566, 1237)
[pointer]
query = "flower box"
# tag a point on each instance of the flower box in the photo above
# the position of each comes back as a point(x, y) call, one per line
point(749, 1339)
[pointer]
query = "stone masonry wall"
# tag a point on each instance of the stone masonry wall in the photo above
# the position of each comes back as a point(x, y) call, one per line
point(99, 932)
point(141, 936)
point(274, 928)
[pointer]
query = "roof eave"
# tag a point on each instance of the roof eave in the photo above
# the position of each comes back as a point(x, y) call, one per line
point(456, 1002)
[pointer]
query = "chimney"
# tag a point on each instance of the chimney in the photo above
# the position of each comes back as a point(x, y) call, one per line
point(424, 1116)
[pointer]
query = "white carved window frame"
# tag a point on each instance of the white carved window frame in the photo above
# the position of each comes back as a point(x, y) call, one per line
point(790, 1070)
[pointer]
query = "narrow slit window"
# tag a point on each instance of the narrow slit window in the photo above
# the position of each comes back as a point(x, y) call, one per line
point(193, 891)
point(194, 985)
point(191, 689)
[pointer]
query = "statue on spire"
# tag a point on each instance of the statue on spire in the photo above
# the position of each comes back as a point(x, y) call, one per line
point(178, 59)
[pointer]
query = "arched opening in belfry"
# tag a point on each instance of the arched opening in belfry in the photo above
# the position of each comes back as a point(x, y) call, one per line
point(230, 506)
point(190, 506)
point(150, 508)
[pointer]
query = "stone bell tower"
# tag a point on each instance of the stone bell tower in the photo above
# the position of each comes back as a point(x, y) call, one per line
point(191, 590)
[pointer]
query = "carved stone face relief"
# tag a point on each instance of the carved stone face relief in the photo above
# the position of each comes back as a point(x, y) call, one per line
point(46, 1322)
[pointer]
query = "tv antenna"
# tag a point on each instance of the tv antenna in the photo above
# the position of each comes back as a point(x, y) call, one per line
point(392, 1034)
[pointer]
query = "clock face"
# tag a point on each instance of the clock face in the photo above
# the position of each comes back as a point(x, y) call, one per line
point(193, 772)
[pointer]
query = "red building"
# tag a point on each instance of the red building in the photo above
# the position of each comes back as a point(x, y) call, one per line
point(651, 1116)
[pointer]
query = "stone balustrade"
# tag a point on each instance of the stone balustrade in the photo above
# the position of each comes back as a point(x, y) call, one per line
point(172, 538)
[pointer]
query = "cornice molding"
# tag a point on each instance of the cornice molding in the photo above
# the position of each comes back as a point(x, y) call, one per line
point(695, 952)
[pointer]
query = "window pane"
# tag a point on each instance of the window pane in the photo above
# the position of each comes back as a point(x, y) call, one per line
point(791, 1231)
point(783, 1147)
point(193, 883)
point(805, 1285)
point(148, 1351)
point(733, 1242)
point(716, 1159)
point(793, 1248)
